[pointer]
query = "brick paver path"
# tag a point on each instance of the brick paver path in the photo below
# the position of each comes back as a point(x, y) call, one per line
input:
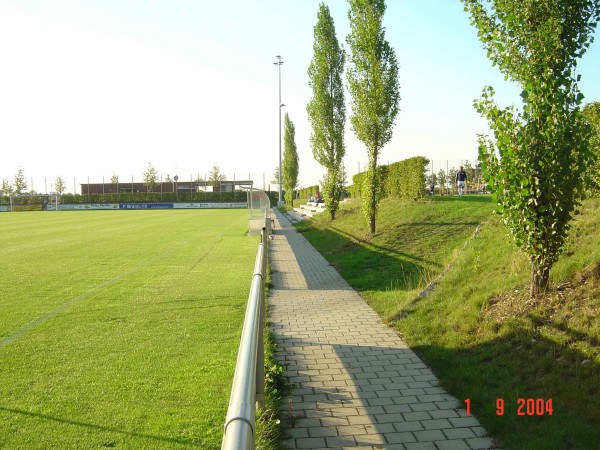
point(357, 383)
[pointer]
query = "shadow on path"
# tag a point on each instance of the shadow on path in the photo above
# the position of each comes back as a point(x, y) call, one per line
point(371, 396)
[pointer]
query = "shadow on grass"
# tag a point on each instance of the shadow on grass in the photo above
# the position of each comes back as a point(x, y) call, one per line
point(363, 265)
point(92, 426)
point(468, 198)
point(390, 260)
point(573, 334)
point(381, 249)
point(401, 397)
point(523, 365)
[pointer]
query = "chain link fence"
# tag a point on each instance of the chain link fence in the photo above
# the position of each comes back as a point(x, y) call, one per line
point(441, 176)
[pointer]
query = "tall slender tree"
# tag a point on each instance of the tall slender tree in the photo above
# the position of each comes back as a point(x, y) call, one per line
point(20, 182)
point(326, 109)
point(374, 89)
point(150, 177)
point(215, 176)
point(591, 111)
point(536, 162)
point(290, 165)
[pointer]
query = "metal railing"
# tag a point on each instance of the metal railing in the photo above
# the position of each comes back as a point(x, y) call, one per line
point(248, 387)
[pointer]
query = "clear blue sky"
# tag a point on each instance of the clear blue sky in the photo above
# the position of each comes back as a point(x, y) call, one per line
point(92, 88)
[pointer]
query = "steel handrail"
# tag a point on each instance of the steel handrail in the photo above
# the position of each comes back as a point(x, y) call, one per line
point(248, 387)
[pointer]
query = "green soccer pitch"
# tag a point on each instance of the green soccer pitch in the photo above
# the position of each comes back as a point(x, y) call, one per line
point(120, 328)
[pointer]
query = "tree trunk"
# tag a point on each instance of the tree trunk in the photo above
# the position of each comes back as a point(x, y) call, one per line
point(373, 194)
point(332, 204)
point(540, 280)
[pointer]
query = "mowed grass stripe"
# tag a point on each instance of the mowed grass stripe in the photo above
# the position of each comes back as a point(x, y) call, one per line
point(60, 259)
point(82, 297)
point(145, 311)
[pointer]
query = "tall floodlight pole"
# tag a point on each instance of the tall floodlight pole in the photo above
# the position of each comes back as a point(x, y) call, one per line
point(278, 63)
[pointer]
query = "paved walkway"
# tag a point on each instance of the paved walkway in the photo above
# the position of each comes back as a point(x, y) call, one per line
point(357, 383)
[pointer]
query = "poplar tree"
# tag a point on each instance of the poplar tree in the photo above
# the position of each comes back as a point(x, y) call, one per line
point(326, 109)
point(290, 160)
point(536, 162)
point(591, 112)
point(150, 177)
point(374, 89)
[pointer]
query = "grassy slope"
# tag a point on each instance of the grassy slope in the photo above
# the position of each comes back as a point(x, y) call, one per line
point(477, 330)
point(138, 337)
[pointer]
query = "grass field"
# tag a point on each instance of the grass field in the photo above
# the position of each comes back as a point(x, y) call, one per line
point(120, 328)
point(478, 330)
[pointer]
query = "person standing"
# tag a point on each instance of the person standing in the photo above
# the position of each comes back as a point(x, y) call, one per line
point(461, 179)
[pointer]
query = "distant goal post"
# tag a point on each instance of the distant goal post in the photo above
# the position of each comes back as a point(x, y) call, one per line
point(28, 202)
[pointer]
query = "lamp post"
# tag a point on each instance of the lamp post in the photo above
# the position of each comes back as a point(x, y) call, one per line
point(278, 63)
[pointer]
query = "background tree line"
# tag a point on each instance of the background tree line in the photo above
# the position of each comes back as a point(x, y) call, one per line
point(150, 178)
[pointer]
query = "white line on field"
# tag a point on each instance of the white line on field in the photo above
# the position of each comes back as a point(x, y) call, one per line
point(31, 325)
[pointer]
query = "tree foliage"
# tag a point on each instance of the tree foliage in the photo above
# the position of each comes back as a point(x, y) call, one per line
point(374, 89)
point(591, 112)
point(290, 165)
point(402, 179)
point(7, 187)
point(536, 163)
point(20, 182)
point(150, 177)
point(442, 179)
point(60, 185)
point(326, 109)
point(215, 177)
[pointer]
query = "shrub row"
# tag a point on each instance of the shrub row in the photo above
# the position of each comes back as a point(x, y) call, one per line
point(141, 197)
point(402, 179)
point(307, 191)
point(156, 197)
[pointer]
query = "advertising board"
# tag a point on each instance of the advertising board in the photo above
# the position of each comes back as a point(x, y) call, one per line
point(132, 206)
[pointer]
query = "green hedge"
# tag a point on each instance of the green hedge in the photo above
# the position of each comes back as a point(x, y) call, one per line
point(142, 197)
point(402, 179)
point(308, 191)
point(273, 197)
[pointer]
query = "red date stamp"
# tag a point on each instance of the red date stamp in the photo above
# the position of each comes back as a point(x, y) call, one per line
point(525, 407)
